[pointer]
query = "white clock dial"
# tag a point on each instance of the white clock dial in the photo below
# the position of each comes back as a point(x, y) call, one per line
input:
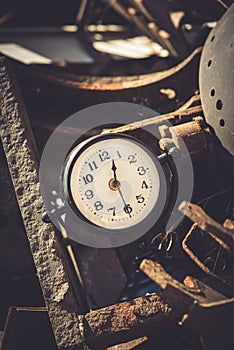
point(114, 182)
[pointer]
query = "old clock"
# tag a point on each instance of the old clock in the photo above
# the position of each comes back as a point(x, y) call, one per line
point(114, 182)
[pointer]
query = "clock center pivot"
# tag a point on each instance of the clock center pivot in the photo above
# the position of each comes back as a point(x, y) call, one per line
point(114, 185)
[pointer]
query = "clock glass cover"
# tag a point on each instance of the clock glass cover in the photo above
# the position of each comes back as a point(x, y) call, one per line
point(113, 181)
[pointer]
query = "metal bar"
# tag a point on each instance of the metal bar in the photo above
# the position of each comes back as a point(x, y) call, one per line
point(175, 117)
point(210, 314)
point(192, 255)
point(218, 232)
point(119, 323)
point(191, 288)
point(195, 134)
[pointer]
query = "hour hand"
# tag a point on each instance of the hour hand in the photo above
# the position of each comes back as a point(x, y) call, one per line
point(114, 169)
point(114, 184)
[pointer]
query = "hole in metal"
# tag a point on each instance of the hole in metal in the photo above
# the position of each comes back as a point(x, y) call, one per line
point(212, 92)
point(222, 122)
point(212, 39)
point(209, 63)
point(219, 105)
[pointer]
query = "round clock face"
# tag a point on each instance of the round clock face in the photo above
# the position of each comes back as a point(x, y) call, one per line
point(113, 181)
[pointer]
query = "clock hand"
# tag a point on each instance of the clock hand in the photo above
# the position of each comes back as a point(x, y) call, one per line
point(116, 185)
point(127, 207)
point(114, 170)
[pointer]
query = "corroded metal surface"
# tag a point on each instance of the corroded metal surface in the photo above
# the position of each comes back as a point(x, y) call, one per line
point(121, 322)
point(195, 134)
point(204, 310)
point(195, 290)
point(224, 236)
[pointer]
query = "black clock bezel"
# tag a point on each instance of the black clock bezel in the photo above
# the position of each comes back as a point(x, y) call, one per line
point(79, 149)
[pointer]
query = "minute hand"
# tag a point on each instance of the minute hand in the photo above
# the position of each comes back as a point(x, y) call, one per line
point(127, 207)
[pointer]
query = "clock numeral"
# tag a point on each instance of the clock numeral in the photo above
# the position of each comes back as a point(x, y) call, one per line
point(144, 185)
point(104, 156)
point(112, 209)
point(132, 158)
point(87, 179)
point(92, 165)
point(128, 209)
point(140, 198)
point(89, 194)
point(98, 205)
point(141, 170)
point(119, 155)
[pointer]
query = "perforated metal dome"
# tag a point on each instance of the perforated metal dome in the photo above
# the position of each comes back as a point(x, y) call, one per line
point(217, 81)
